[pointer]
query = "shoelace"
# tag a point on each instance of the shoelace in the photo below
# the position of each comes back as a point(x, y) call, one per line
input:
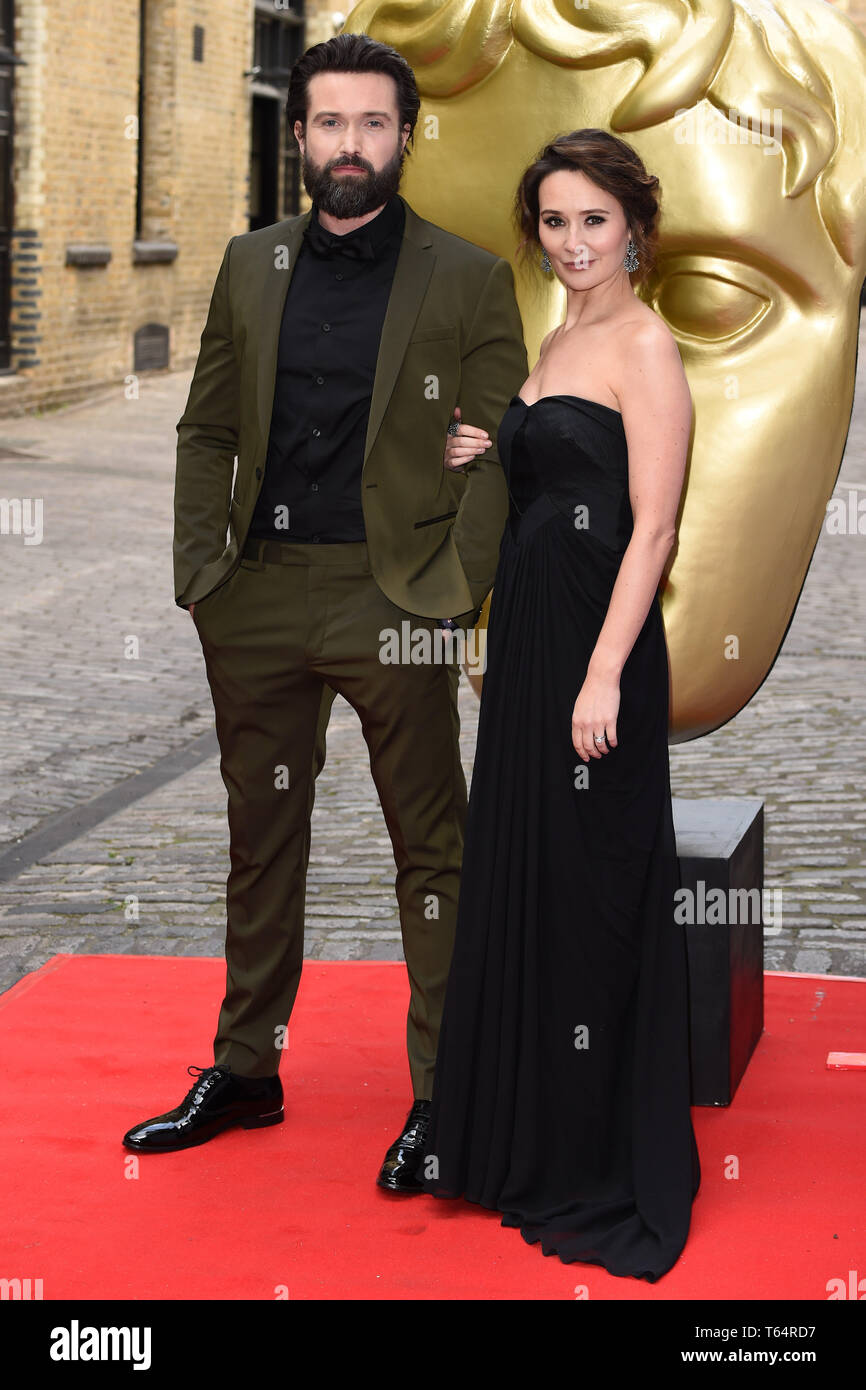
point(207, 1076)
point(417, 1119)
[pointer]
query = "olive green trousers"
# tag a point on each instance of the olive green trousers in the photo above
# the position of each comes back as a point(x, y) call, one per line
point(291, 626)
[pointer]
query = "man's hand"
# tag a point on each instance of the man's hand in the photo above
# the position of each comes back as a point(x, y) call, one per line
point(190, 606)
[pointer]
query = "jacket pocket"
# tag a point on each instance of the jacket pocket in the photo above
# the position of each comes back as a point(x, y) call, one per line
point(431, 520)
point(432, 335)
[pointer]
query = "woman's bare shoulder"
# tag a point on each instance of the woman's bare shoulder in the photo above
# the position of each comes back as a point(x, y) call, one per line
point(649, 375)
point(642, 328)
point(646, 347)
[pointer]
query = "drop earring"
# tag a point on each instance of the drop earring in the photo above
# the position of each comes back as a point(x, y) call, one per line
point(545, 263)
point(631, 257)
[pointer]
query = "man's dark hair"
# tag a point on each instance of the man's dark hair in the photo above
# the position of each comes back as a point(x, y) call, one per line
point(353, 53)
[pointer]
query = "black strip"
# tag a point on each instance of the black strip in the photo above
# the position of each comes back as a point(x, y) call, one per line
point(446, 516)
point(63, 826)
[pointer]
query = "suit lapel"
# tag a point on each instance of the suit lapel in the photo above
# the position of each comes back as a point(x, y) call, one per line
point(411, 278)
point(277, 279)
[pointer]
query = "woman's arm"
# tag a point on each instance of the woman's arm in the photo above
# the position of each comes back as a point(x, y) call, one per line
point(460, 449)
point(657, 414)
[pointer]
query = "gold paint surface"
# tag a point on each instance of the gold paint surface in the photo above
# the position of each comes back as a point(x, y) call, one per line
point(752, 115)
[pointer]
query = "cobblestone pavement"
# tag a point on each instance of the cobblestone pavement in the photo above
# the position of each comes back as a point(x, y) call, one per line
point(78, 717)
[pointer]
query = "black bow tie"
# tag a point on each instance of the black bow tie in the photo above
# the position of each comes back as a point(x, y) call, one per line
point(356, 245)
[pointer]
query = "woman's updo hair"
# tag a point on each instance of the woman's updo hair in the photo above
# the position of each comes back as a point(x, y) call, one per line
point(611, 164)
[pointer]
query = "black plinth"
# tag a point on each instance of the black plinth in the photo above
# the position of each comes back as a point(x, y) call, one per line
point(720, 845)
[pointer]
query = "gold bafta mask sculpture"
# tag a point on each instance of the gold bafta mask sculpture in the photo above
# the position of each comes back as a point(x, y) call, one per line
point(753, 116)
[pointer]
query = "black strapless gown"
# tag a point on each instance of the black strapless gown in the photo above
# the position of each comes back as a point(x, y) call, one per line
point(561, 1094)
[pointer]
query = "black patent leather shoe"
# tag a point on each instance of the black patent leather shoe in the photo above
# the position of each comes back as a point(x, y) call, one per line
point(217, 1101)
point(406, 1155)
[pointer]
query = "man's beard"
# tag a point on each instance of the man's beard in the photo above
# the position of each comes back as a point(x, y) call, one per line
point(351, 195)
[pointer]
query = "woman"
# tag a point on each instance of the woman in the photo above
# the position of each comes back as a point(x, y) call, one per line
point(561, 1095)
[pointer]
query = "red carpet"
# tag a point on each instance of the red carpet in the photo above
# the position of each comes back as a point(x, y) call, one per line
point(91, 1044)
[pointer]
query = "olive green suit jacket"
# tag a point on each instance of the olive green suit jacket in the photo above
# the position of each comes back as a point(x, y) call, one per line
point(452, 335)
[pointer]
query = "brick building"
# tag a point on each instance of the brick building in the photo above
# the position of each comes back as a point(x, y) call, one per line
point(136, 137)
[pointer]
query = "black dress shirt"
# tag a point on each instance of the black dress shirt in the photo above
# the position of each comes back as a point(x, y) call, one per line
point(326, 364)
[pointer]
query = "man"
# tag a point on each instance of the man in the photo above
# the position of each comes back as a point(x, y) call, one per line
point(336, 348)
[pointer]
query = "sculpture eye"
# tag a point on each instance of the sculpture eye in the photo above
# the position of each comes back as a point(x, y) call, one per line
point(711, 304)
